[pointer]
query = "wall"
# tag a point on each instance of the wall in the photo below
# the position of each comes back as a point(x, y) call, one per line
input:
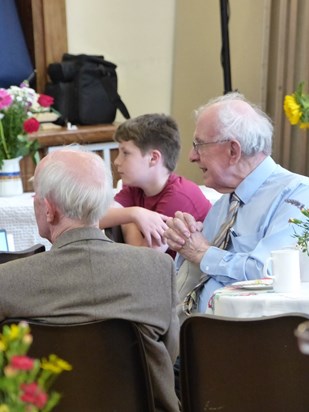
point(137, 35)
point(198, 74)
point(168, 53)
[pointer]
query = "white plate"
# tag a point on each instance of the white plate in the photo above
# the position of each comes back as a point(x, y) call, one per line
point(256, 284)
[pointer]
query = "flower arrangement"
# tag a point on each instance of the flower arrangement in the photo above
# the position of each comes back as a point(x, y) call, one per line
point(303, 237)
point(18, 109)
point(296, 107)
point(25, 382)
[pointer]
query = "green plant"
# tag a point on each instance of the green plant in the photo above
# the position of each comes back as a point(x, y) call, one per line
point(19, 107)
point(303, 236)
point(25, 383)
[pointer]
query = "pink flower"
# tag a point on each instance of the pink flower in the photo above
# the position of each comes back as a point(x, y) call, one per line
point(32, 393)
point(22, 363)
point(31, 125)
point(5, 99)
point(45, 101)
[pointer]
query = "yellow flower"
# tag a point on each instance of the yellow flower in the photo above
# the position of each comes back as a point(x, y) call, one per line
point(304, 125)
point(4, 408)
point(14, 332)
point(292, 109)
point(296, 107)
point(55, 364)
point(2, 347)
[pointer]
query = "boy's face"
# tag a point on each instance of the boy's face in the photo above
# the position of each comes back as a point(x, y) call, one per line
point(132, 166)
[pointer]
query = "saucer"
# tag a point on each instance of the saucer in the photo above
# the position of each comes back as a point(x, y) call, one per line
point(255, 284)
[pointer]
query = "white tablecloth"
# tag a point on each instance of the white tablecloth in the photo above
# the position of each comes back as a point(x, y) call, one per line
point(240, 303)
point(17, 218)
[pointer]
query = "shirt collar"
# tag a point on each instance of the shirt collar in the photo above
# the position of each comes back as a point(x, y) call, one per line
point(246, 189)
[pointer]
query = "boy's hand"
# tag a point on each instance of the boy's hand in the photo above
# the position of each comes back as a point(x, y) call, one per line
point(152, 225)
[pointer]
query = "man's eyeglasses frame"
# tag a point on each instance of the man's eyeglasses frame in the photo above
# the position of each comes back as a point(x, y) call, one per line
point(197, 144)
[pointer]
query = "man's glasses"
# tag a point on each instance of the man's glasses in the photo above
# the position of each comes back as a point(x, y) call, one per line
point(197, 145)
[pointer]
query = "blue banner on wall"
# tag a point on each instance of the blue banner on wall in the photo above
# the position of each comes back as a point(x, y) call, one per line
point(15, 62)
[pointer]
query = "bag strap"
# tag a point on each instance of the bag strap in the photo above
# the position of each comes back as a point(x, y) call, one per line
point(113, 94)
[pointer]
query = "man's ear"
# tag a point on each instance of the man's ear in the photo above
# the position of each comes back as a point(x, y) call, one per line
point(155, 156)
point(50, 211)
point(235, 151)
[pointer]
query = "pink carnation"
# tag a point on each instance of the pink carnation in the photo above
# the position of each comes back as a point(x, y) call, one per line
point(45, 101)
point(31, 125)
point(22, 363)
point(5, 99)
point(33, 394)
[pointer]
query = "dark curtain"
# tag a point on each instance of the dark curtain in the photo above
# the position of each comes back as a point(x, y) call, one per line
point(15, 62)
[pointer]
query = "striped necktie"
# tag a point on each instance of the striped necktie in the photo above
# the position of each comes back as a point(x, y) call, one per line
point(221, 241)
point(223, 236)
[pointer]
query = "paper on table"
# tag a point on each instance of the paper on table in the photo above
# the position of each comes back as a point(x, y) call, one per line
point(11, 244)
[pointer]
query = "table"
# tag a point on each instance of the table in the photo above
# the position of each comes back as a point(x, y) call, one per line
point(18, 219)
point(239, 303)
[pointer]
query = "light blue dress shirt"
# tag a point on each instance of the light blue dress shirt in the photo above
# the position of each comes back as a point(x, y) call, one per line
point(261, 226)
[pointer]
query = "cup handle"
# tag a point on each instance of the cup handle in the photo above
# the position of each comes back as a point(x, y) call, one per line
point(265, 267)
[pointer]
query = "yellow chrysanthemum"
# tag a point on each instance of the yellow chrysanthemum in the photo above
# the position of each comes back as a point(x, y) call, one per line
point(14, 332)
point(304, 125)
point(3, 347)
point(292, 109)
point(55, 364)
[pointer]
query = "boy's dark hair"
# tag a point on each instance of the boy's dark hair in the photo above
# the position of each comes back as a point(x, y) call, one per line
point(153, 131)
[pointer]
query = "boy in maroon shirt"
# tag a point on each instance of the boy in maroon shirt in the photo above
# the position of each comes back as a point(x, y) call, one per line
point(149, 147)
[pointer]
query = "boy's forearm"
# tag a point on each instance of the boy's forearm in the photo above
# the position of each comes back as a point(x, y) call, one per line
point(117, 216)
point(132, 235)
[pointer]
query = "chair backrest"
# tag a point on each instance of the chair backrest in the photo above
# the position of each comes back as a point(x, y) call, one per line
point(110, 371)
point(7, 256)
point(114, 233)
point(243, 365)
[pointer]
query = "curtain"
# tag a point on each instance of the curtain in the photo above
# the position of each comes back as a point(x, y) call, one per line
point(287, 64)
point(15, 62)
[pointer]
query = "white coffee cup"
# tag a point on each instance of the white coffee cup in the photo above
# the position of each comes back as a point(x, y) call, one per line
point(285, 270)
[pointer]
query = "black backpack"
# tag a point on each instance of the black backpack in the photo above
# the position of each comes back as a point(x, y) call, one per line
point(84, 89)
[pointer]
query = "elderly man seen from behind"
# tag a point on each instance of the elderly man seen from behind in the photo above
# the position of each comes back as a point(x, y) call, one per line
point(232, 147)
point(87, 277)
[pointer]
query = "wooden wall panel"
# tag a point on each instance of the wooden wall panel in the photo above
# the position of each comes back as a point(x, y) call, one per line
point(45, 28)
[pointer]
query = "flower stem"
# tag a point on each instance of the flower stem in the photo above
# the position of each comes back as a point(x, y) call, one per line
point(3, 141)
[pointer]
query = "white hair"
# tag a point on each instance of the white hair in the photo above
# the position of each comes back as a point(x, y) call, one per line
point(251, 127)
point(84, 197)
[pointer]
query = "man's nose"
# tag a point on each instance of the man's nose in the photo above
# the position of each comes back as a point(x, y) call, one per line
point(193, 155)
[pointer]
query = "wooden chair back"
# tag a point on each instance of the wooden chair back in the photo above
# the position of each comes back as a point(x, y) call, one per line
point(243, 365)
point(7, 256)
point(110, 371)
point(114, 233)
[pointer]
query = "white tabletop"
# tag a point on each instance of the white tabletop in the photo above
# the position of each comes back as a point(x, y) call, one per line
point(240, 303)
point(17, 218)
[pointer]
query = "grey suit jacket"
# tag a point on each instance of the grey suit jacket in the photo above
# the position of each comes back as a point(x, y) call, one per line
point(87, 277)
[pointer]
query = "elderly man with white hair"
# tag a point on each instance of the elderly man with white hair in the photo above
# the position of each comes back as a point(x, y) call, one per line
point(87, 277)
point(232, 147)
